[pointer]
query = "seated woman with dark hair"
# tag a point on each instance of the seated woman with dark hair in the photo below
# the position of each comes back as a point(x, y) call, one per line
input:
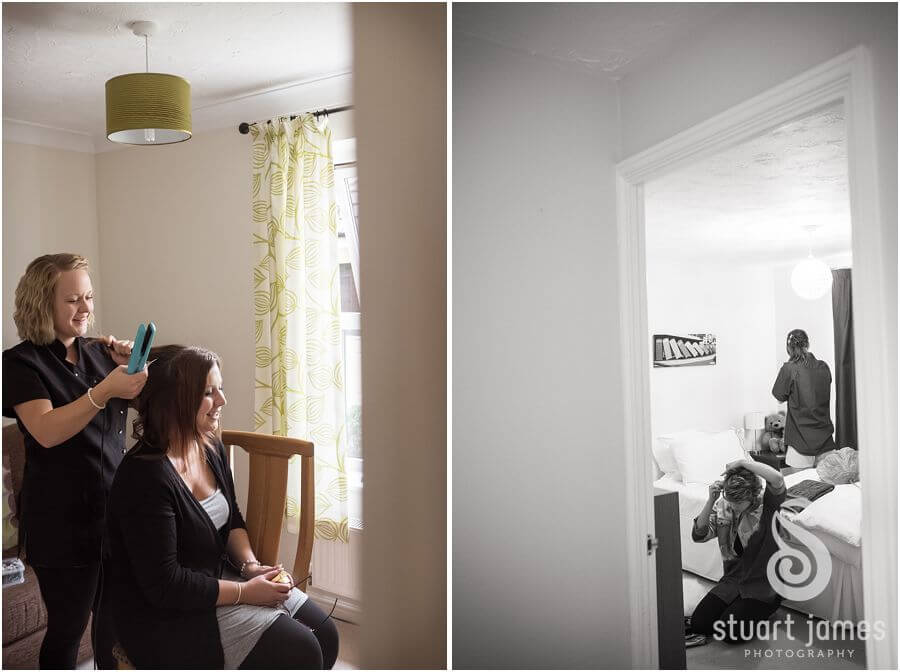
point(176, 531)
point(741, 522)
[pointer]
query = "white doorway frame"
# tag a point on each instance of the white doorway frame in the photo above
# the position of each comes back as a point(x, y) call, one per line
point(846, 79)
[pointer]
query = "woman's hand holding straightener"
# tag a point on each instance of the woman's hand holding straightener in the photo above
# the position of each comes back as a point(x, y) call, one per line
point(127, 380)
point(119, 351)
point(119, 383)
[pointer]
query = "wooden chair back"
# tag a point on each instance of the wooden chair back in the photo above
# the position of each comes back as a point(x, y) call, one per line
point(267, 495)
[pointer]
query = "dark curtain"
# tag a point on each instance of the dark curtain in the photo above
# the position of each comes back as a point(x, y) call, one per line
point(844, 360)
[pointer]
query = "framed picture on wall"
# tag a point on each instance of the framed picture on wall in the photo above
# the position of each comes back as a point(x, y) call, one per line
point(670, 350)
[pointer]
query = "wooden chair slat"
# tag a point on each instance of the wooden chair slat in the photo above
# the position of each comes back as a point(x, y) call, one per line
point(267, 495)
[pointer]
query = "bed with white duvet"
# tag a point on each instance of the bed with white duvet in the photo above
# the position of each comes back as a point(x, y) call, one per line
point(690, 461)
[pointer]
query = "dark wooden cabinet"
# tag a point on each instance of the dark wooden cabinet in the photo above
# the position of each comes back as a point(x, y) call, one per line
point(669, 593)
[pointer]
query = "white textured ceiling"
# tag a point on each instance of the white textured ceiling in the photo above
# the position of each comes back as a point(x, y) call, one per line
point(609, 39)
point(751, 202)
point(58, 56)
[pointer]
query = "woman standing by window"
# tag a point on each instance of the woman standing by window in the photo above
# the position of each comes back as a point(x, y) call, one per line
point(68, 395)
point(804, 382)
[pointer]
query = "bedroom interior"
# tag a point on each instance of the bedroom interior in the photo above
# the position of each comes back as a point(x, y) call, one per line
point(624, 120)
point(847, 78)
point(167, 230)
point(723, 237)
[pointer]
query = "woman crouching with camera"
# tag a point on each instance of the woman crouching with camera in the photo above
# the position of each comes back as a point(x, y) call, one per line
point(738, 515)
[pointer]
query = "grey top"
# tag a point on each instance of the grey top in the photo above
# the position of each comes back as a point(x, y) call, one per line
point(241, 625)
point(216, 507)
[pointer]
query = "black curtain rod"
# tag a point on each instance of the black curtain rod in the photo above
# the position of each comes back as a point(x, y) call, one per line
point(244, 127)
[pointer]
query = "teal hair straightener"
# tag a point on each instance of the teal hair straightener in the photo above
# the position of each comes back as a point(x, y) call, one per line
point(142, 342)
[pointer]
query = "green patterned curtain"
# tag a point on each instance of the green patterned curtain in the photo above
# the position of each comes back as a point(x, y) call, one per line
point(297, 297)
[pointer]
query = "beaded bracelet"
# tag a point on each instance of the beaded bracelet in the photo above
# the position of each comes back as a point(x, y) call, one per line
point(245, 563)
point(95, 404)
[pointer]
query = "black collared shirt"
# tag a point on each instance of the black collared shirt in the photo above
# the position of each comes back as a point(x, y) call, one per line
point(807, 390)
point(64, 490)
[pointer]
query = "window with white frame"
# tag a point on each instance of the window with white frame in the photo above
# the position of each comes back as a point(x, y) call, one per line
point(348, 242)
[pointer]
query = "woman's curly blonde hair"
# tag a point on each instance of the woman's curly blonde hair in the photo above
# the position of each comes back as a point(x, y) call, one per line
point(35, 296)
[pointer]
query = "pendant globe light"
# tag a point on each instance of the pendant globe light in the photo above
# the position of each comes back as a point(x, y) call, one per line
point(148, 108)
point(811, 278)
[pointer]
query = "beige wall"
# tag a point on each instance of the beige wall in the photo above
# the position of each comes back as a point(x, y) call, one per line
point(540, 575)
point(49, 205)
point(400, 94)
point(737, 304)
point(175, 238)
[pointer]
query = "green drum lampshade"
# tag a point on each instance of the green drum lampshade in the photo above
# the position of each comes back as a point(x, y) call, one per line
point(148, 108)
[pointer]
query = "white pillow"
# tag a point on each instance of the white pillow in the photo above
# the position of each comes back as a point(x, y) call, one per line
point(702, 458)
point(662, 451)
point(665, 460)
point(839, 513)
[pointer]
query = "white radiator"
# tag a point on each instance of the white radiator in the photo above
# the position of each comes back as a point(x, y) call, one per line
point(335, 569)
point(335, 575)
point(335, 566)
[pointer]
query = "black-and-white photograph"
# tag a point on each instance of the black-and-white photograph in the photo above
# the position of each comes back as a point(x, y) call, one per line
point(670, 350)
point(632, 184)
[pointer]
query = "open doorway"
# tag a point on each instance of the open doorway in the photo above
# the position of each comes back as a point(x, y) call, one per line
point(844, 81)
point(728, 239)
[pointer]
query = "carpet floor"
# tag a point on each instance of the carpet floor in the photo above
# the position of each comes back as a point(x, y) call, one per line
point(804, 650)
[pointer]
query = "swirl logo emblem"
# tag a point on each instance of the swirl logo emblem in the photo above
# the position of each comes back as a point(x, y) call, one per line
point(797, 574)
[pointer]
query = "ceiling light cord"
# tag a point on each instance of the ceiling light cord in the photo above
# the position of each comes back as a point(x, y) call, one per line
point(810, 228)
point(811, 278)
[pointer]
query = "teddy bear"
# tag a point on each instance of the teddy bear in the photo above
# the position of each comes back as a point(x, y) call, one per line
point(773, 438)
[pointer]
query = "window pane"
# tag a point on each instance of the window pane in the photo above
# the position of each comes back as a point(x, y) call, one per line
point(349, 297)
point(353, 391)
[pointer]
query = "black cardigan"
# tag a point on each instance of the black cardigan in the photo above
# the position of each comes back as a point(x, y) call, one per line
point(166, 560)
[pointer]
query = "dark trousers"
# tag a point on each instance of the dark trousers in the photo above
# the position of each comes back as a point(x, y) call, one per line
point(70, 595)
point(292, 644)
point(746, 611)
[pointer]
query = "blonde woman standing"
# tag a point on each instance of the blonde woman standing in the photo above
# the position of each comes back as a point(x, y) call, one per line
point(68, 395)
